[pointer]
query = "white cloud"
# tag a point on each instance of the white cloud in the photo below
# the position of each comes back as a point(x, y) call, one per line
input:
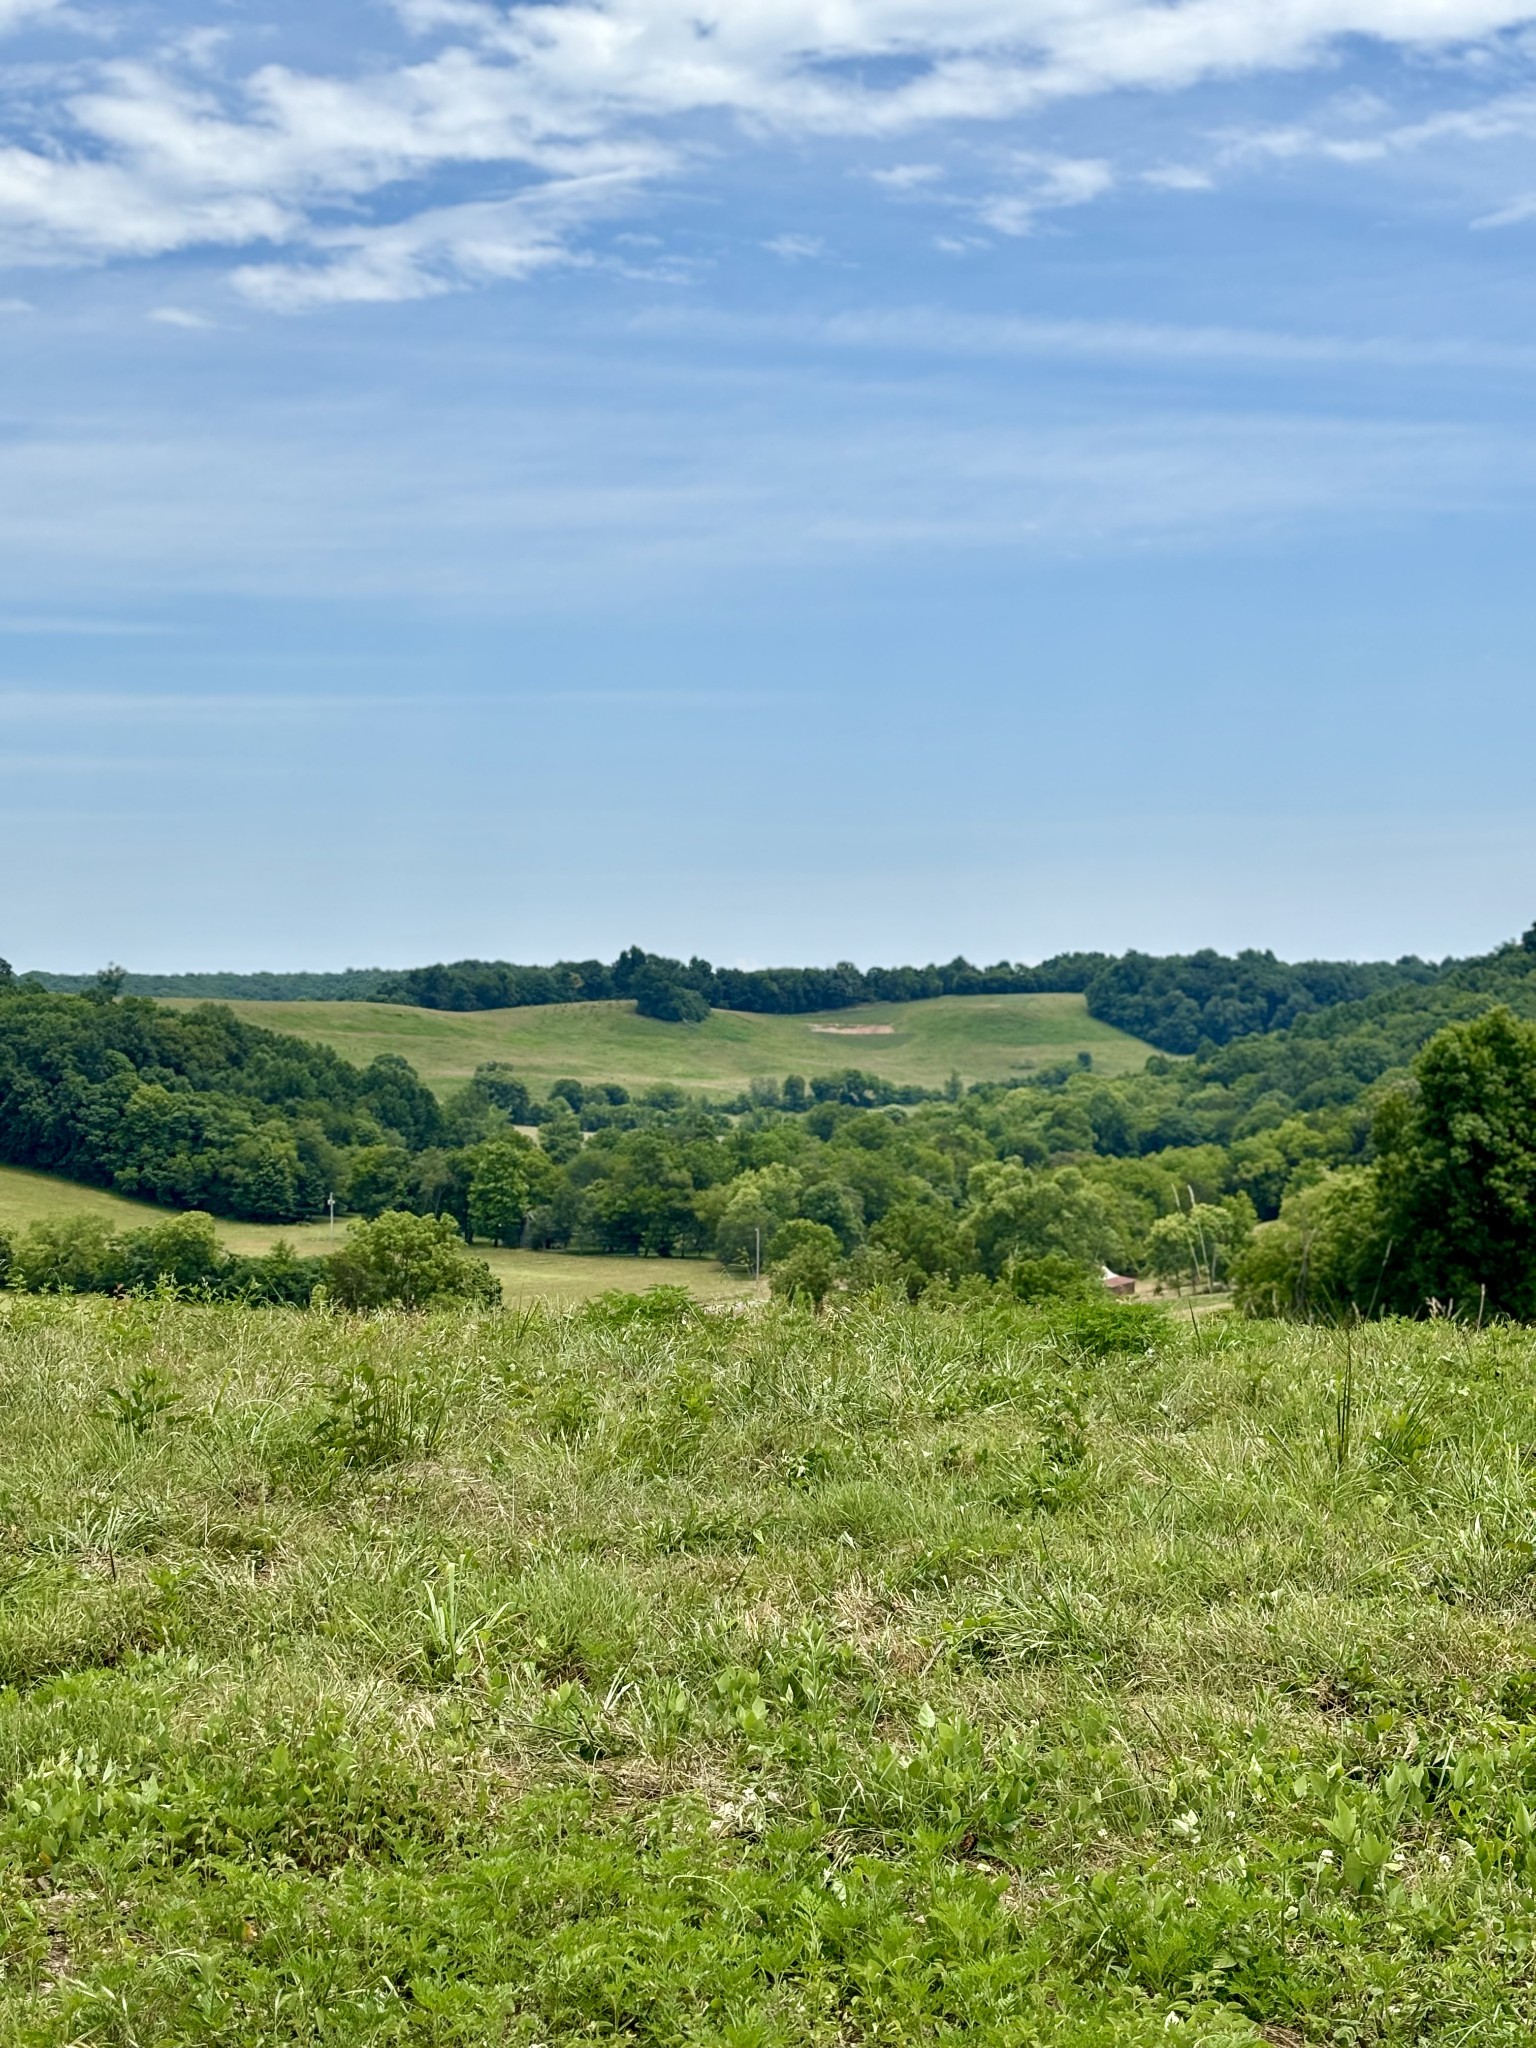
point(1045, 184)
point(157, 154)
point(178, 316)
point(14, 12)
point(907, 177)
point(919, 330)
point(1509, 216)
point(1178, 178)
point(796, 248)
point(432, 252)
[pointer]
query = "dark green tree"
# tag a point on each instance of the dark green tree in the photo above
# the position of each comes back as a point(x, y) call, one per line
point(1458, 1171)
point(669, 1001)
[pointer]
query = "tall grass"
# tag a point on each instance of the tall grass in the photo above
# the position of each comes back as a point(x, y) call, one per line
point(890, 1677)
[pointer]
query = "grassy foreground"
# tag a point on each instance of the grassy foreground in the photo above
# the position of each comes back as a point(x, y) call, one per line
point(983, 1038)
point(899, 1677)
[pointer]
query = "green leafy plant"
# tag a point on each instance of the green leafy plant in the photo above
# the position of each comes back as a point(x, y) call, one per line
point(147, 1402)
point(377, 1418)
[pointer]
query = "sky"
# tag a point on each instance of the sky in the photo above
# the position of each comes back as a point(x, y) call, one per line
point(788, 480)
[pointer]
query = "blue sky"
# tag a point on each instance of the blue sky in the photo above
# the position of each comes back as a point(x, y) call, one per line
point(817, 479)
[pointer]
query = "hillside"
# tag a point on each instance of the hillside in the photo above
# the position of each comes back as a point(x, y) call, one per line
point(983, 1038)
point(772, 1681)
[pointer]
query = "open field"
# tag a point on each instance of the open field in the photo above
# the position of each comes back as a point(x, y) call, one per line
point(983, 1038)
point(555, 1277)
point(900, 1677)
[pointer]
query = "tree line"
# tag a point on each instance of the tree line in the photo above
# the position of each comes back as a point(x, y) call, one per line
point(1178, 1002)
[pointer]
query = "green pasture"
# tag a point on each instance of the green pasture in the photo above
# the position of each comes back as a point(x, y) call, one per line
point(554, 1277)
point(896, 1676)
point(982, 1038)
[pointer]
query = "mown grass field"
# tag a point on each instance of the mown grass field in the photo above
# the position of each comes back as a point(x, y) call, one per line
point(983, 1038)
point(555, 1277)
point(895, 1677)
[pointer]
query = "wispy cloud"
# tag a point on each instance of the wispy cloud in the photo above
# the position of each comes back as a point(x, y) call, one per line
point(930, 330)
point(179, 316)
point(907, 177)
point(1044, 184)
point(796, 248)
point(161, 150)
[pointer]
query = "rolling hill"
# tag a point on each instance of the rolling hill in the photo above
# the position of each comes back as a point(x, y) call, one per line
point(982, 1038)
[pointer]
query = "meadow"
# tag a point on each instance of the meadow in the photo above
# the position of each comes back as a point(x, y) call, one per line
point(982, 1038)
point(889, 1676)
point(555, 1277)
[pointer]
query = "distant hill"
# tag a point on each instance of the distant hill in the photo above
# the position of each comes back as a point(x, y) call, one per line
point(1179, 1003)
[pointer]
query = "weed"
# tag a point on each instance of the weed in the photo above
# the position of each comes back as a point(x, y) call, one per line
point(375, 1418)
point(145, 1403)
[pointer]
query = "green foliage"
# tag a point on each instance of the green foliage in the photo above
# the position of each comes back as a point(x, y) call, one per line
point(375, 1418)
point(1458, 1179)
point(502, 1088)
point(74, 1255)
point(667, 999)
point(83, 1255)
point(192, 1109)
point(1199, 1243)
point(508, 1176)
point(1326, 1256)
point(405, 1261)
point(145, 1402)
point(1179, 1002)
point(560, 1134)
point(804, 1261)
point(1379, 1188)
point(661, 1307)
point(1050, 1278)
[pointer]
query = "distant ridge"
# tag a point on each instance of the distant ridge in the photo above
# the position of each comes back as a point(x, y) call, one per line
point(1181, 1003)
point(350, 985)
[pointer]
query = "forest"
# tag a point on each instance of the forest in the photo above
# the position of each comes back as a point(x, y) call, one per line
point(1288, 1162)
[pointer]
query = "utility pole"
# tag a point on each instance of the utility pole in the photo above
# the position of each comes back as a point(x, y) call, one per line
point(330, 1203)
point(757, 1254)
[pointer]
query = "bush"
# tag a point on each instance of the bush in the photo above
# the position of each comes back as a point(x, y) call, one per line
point(405, 1261)
point(805, 1261)
point(184, 1250)
point(659, 1307)
point(72, 1255)
point(1052, 1278)
point(80, 1255)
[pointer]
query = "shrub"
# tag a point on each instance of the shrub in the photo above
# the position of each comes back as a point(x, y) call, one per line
point(72, 1255)
point(805, 1261)
point(184, 1250)
point(659, 1307)
point(1052, 1278)
point(405, 1261)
